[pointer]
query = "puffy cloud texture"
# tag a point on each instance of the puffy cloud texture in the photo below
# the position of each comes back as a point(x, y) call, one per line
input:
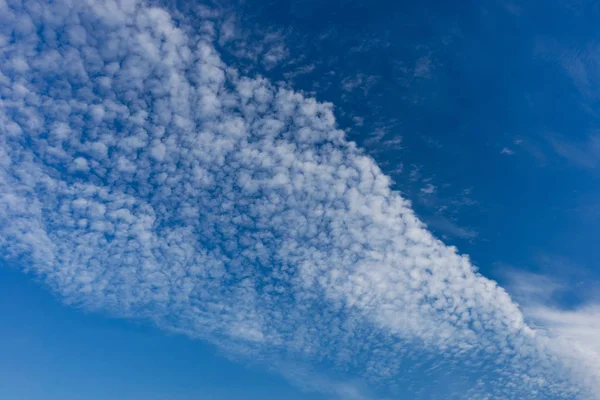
point(142, 176)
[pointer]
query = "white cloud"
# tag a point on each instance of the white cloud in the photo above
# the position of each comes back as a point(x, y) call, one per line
point(447, 227)
point(574, 331)
point(225, 207)
point(584, 154)
point(574, 337)
point(428, 189)
point(423, 67)
point(80, 164)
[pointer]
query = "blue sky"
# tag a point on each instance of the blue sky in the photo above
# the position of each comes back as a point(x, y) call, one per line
point(300, 199)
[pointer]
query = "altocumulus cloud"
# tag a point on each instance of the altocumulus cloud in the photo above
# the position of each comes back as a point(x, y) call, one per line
point(142, 176)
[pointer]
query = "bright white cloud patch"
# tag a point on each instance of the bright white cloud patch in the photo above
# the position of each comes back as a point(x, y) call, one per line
point(143, 176)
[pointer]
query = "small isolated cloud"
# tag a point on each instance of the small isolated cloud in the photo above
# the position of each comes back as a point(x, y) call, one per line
point(299, 71)
point(448, 228)
point(358, 121)
point(423, 67)
point(227, 30)
point(507, 151)
point(414, 174)
point(359, 81)
point(143, 176)
point(275, 54)
point(394, 143)
point(428, 189)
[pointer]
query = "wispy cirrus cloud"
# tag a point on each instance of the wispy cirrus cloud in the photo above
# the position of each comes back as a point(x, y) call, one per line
point(143, 176)
point(573, 329)
point(584, 154)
